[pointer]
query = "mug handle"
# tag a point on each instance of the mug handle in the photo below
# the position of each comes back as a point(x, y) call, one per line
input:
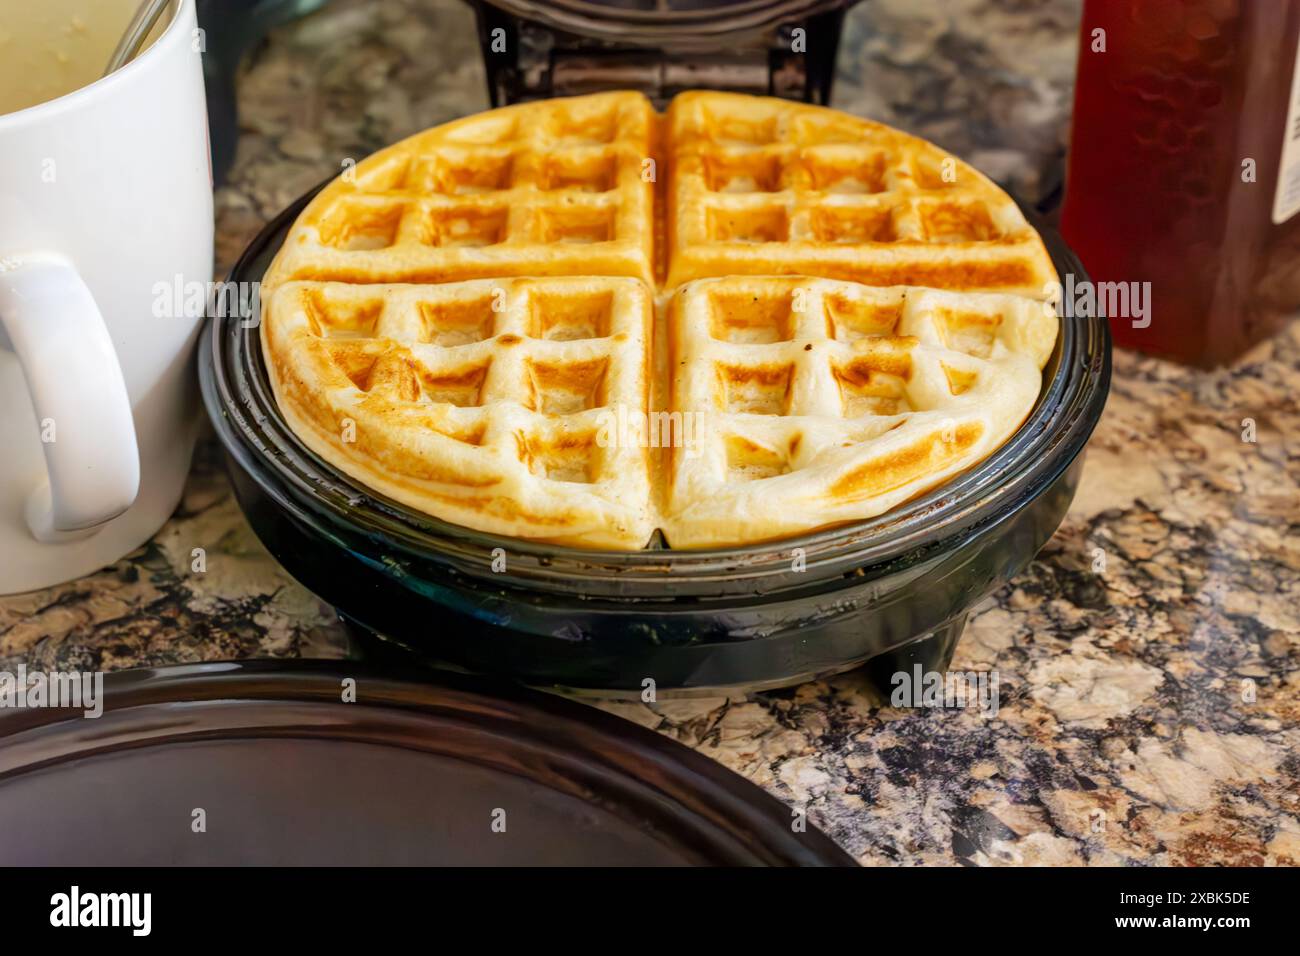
point(54, 327)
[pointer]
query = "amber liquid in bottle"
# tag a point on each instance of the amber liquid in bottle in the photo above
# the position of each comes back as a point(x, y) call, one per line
point(1177, 174)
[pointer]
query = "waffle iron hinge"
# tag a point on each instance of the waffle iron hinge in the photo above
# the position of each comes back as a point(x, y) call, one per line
point(658, 77)
point(530, 61)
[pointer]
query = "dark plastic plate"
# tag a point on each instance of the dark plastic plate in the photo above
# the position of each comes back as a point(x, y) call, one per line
point(285, 772)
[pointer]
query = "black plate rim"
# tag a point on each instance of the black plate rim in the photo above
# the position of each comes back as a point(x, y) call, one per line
point(595, 744)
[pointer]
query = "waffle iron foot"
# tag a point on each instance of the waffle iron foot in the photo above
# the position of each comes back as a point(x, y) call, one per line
point(932, 652)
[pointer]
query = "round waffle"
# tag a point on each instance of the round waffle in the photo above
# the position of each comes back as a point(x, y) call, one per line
point(466, 322)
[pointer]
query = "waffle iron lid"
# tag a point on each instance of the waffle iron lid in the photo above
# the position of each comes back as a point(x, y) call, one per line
point(648, 19)
point(454, 771)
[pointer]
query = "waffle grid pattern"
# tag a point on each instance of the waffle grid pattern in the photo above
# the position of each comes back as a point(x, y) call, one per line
point(508, 385)
point(761, 186)
point(823, 394)
point(546, 189)
point(469, 325)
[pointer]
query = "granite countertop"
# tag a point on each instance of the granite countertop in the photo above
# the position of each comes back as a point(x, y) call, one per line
point(1149, 658)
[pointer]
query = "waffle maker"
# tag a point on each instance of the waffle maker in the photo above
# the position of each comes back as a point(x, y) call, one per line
point(886, 594)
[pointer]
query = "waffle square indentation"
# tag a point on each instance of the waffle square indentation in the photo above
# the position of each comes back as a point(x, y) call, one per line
point(756, 389)
point(570, 317)
point(456, 322)
point(751, 318)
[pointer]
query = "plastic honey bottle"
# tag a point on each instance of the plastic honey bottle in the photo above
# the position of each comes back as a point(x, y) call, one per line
point(1184, 169)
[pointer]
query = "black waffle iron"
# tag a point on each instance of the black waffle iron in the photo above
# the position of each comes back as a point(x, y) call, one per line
point(887, 593)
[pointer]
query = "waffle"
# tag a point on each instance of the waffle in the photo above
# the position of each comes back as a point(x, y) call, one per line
point(487, 403)
point(470, 323)
point(539, 189)
point(762, 186)
point(823, 401)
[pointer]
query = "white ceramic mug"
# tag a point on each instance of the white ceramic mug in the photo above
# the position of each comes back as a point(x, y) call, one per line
point(105, 193)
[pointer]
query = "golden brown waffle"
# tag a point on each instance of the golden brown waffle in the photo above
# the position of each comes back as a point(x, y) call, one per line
point(552, 188)
point(480, 402)
point(466, 324)
point(825, 401)
point(761, 186)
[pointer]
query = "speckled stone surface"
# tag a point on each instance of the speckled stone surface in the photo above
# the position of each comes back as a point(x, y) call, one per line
point(1148, 659)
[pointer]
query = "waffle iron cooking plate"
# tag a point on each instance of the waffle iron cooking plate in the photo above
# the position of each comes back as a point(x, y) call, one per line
point(888, 593)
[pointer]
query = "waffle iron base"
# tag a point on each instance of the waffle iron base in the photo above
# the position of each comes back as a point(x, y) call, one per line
point(791, 642)
point(886, 595)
